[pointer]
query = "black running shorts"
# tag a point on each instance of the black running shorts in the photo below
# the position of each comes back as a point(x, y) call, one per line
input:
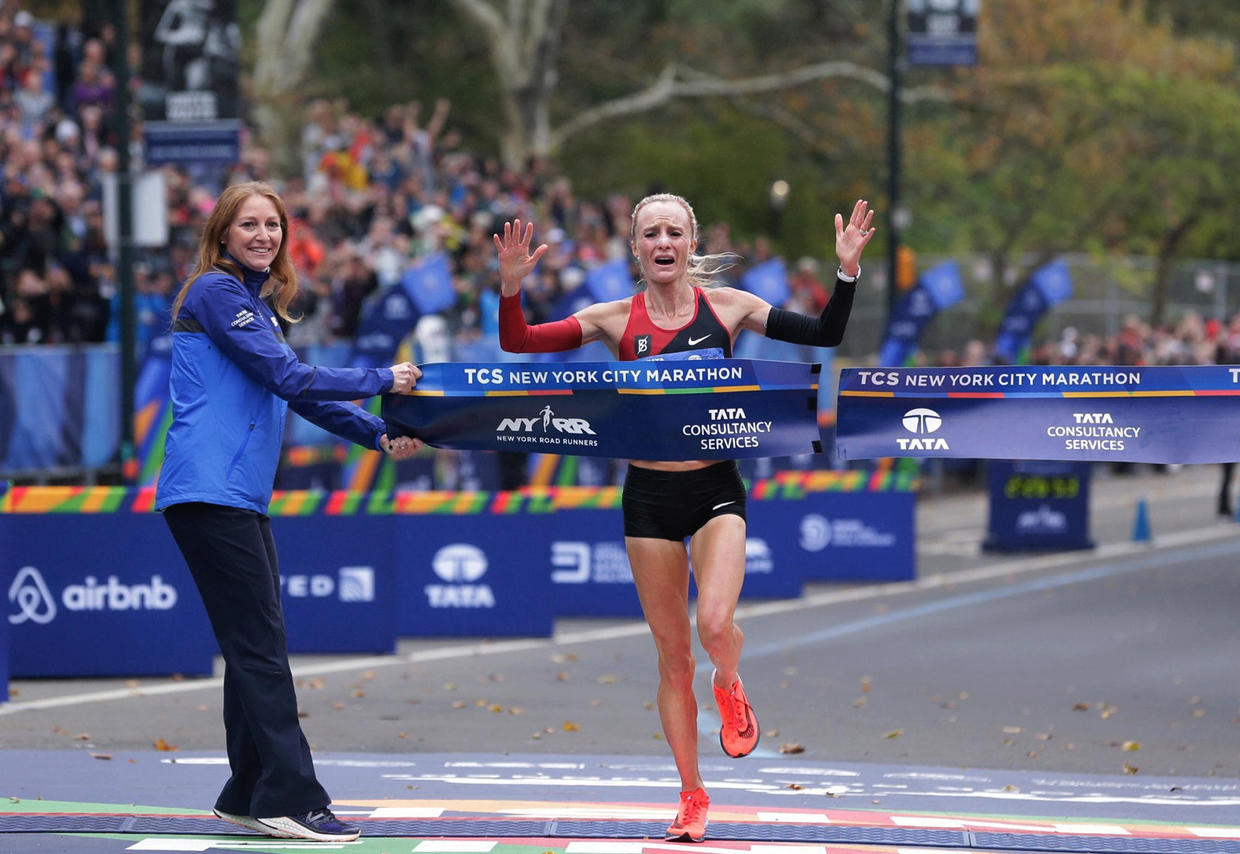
point(673, 505)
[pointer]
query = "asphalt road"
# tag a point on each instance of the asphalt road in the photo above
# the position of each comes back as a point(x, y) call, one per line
point(1123, 659)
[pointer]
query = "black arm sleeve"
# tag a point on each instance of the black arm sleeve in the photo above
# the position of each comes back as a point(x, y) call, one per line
point(825, 330)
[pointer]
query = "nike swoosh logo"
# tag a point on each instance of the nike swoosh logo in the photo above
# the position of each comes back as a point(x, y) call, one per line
point(724, 504)
point(693, 342)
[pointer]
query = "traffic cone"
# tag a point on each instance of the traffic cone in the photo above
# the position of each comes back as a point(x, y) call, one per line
point(1141, 523)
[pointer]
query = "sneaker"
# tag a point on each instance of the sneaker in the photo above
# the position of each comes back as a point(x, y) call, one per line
point(690, 823)
point(319, 825)
point(738, 731)
point(246, 822)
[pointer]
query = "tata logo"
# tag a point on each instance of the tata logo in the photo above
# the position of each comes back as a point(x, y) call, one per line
point(459, 564)
point(34, 602)
point(921, 422)
point(815, 532)
point(545, 422)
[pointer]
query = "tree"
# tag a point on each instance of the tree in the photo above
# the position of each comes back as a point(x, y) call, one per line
point(286, 34)
point(524, 45)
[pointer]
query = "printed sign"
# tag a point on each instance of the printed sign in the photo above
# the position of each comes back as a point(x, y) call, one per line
point(1074, 413)
point(1037, 505)
point(682, 410)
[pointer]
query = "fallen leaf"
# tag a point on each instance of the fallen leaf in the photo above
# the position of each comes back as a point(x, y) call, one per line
point(569, 726)
point(1010, 788)
point(402, 735)
point(771, 733)
point(649, 706)
point(1130, 769)
point(1199, 713)
point(358, 693)
point(859, 702)
point(160, 744)
point(515, 710)
point(495, 707)
point(1043, 736)
point(480, 703)
point(796, 787)
point(791, 747)
point(1080, 707)
point(459, 704)
point(866, 683)
point(82, 736)
point(1131, 746)
point(369, 675)
point(101, 756)
point(449, 686)
point(562, 676)
point(606, 679)
point(895, 733)
point(1013, 730)
point(338, 706)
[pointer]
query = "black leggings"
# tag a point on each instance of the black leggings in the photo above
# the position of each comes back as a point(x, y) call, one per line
point(232, 557)
point(673, 505)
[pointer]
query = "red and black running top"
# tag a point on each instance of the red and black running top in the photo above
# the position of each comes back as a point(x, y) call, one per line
point(642, 338)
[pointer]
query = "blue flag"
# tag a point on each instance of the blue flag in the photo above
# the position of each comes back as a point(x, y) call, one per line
point(1048, 286)
point(768, 280)
point(936, 289)
point(610, 280)
point(429, 284)
point(387, 318)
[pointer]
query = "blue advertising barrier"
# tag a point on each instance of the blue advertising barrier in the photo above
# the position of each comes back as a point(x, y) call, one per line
point(589, 568)
point(482, 575)
point(104, 595)
point(1037, 505)
point(841, 536)
point(339, 588)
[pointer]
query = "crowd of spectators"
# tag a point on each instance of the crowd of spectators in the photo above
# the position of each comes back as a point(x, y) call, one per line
point(372, 196)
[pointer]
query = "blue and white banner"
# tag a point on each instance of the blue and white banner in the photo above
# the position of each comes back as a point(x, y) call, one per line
point(1048, 285)
point(610, 280)
point(387, 317)
point(768, 280)
point(675, 410)
point(1078, 413)
point(936, 289)
point(429, 284)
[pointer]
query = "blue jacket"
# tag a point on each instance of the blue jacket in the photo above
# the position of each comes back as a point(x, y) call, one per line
point(233, 380)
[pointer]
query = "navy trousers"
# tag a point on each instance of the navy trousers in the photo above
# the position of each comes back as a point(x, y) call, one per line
point(232, 557)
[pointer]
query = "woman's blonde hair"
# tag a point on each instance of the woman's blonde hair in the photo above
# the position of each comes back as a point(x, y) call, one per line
point(281, 286)
point(701, 269)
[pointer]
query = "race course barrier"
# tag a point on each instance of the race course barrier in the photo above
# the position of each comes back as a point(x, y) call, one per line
point(96, 587)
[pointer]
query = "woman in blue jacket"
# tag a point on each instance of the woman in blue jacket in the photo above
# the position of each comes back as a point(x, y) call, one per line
point(233, 380)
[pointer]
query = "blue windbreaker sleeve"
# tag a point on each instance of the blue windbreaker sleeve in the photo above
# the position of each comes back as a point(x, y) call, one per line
point(346, 420)
point(225, 310)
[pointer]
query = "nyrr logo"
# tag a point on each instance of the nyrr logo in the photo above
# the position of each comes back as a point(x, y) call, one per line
point(33, 600)
point(460, 564)
point(815, 532)
point(758, 556)
point(921, 422)
point(546, 421)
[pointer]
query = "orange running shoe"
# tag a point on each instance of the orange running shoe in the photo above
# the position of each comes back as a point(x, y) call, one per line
point(738, 730)
point(690, 823)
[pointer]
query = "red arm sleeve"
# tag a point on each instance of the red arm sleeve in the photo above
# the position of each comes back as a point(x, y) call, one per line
point(516, 336)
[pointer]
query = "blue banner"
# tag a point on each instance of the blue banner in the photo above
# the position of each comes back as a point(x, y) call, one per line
point(936, 289)
point(942, 32)
point(114, 599)
point(1048, 286)
point(479, 575)
point(339, 590)
point(1078, 413)
point(768, 280)
point(429, 284)
point(386, 319)
point(679, 410)
point(840, 536)
point(610, 280)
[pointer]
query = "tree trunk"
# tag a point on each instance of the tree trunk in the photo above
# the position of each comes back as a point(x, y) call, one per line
point(1167, 249)
point(286, 32)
